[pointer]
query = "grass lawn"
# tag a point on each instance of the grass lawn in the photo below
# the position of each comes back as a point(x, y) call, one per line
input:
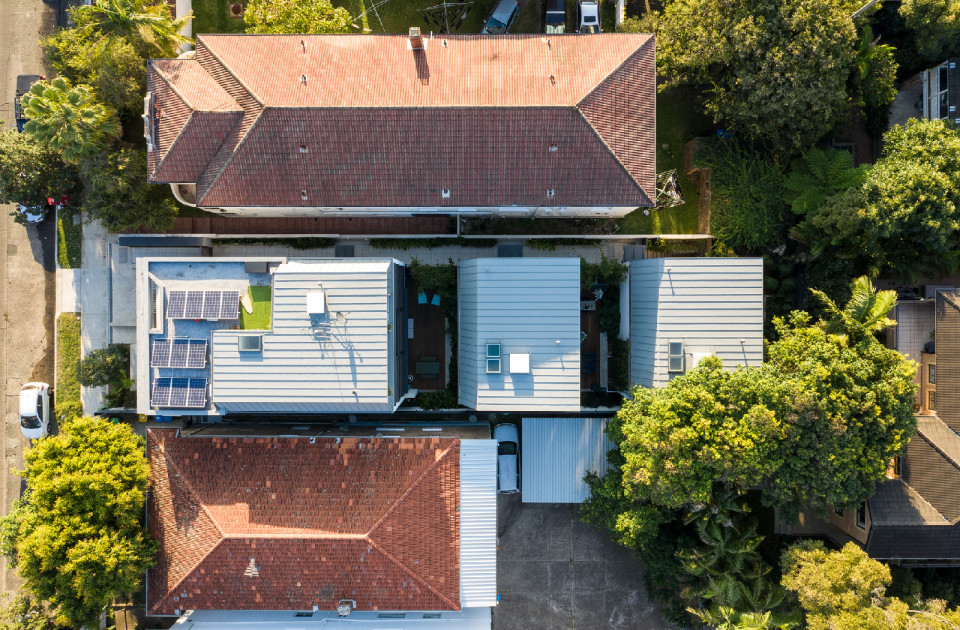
point(530, 19)
point(213, 16)
point(678, 119)
point(68, 358)
point(396, 16)
point(69, 238)
point(259, 319)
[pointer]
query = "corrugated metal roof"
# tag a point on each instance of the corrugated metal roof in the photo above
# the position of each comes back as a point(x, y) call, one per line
point(478, 523)
point(556, 453)
point(530, 306)
point(713, 305)
point(348, 369)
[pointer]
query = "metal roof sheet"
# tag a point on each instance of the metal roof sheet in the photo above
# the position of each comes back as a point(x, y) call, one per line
point(529, 306)
point(478, 523)
point(556, 453)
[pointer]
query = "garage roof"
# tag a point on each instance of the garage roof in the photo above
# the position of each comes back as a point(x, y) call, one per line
point(556, 453)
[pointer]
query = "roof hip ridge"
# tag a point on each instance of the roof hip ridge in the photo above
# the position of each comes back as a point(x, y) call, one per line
point(382, 549)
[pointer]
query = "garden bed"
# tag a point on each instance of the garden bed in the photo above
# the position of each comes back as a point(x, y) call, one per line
point(67, 387)
point(69, 238)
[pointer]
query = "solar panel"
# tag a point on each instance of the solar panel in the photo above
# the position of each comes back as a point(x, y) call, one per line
point(178, 353)
point(179, 387)
point(160, 356)
point(230, 306)
point(175, 303)
point(160, 396)
point(211, 304)
point(197, 353)
point(197, 392)
point(194, 307)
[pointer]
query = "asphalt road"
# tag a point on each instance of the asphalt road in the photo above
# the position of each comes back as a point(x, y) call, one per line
point(27, 276)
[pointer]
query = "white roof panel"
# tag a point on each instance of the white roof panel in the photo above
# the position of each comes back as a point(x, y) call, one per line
point(478, 523)
point(557, 453)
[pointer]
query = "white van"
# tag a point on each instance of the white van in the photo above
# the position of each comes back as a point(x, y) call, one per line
point(502, 18)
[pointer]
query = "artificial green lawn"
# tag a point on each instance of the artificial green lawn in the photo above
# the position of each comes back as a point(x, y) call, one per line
point(679, 119)
point(259, 319)
point(69, 239)
point(213, 16)
point(68, 358)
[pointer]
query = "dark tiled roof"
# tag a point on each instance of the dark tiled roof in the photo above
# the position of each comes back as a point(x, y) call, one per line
point(914, 542)
point(283, 524)
point(896, 503)
point(494, 120)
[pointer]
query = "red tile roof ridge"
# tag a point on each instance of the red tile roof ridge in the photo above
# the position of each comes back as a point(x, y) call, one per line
point(313, 535)
point(163, 600)
point(610, 150)
point(233, 75)
point(185, 479)
point(453, 605)
point(455, 442)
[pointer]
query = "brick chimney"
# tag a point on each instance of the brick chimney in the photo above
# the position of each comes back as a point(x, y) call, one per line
point(416, 41)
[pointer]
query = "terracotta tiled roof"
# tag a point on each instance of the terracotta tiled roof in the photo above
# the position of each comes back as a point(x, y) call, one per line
point(363, 121)
point(283, 524)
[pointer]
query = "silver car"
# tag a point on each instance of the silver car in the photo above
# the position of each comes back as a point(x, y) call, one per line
point(34, 410)
point(508, 457)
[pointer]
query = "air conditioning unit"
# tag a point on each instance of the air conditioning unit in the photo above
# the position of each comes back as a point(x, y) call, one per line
point(249, 343)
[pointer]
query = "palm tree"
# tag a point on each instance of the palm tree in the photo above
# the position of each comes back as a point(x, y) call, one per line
point(148, 26)
point(725, 618)
point(68, 119)
point(864, 314)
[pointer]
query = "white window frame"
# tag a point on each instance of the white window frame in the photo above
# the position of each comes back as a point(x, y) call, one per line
point(676, 359)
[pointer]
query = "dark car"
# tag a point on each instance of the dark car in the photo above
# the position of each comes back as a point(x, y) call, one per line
point(556, 17)
point(24, 81)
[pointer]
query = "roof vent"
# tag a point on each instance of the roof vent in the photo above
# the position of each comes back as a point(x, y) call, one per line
point(345, 607)
point(550, 192)
point(553, 148)
point(445, 193)
point(416, 40)
point(303, 195)
point(303, 79)
point(250, 343)
point(304, 148)
point(553, 80)
point(303, 47)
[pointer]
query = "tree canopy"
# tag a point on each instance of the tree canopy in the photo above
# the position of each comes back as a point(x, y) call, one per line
point(77, 536)
point(145, 24)
point(69, 119)
point(774, 70)
point(119, 195)
point(30, 172)
point(293, 16)
point(911, 196)
point(934, 26)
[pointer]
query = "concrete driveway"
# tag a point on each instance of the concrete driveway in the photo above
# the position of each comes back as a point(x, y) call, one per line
point(555, 572)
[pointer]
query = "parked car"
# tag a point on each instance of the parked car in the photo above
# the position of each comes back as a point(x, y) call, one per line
point(556, 18)
point(508, 457)
point(24, 81)
point(37, 214)
point(588, 16)
point(34, 410)
point(502, 18)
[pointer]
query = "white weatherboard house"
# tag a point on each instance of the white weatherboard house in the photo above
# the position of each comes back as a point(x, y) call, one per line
point(332, 344)
point(684, 309)
point(519, 334)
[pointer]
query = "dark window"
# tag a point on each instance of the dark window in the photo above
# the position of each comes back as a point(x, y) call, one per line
point(391, 615)
point(862, 516)
point(932, 374)
point(304, 614)
point(40, 408)
point(896, 466)
point(838, 512)
point(507, 448)
point(932, 401)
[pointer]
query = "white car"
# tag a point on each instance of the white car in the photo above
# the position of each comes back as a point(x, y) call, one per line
point(508, 457)
point(33, 215)
point(588, 16)
point(34, 410)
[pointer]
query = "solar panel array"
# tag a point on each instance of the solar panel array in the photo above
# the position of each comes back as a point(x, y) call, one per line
point(203, 305)
point(179, 353)
point(180, 393)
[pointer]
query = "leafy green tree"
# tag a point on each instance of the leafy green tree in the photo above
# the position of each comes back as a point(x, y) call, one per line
point(877, 66)
point(649, 22)
point(846, 590)
point(819, 175)
point(775, 70)
point(117, 192)
point(110, 65)
point(293, 16)
point(24, 612)
point(69, 119)
point(30, 172)
point(77, 536)
point(103, 366)
point(912, 195)
point(934, 25)
point(145, 24)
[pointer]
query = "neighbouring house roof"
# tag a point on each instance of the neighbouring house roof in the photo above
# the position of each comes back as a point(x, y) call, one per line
point(292, 523)
point(896, 503)
point(712, 305)
point(351, 366)
point(363, 120)
point(557, 453)
point(531, 307)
